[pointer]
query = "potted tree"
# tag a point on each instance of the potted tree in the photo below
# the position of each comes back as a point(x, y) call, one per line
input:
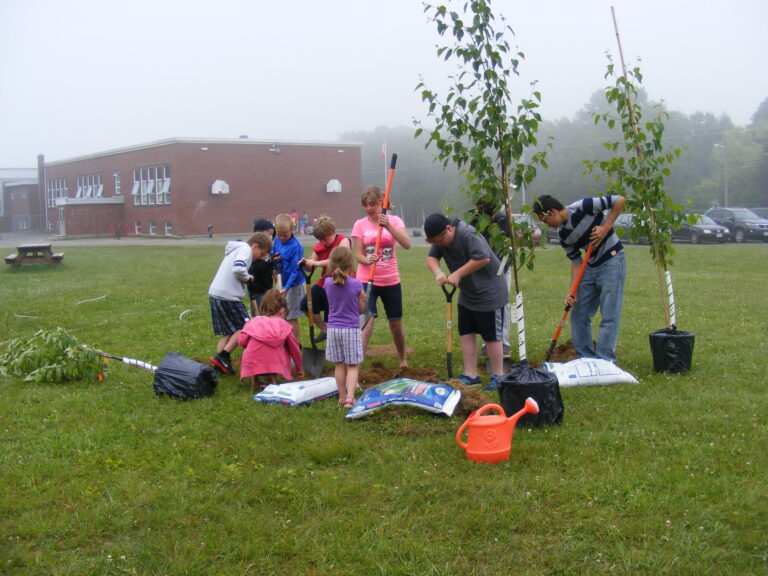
point(636, 168)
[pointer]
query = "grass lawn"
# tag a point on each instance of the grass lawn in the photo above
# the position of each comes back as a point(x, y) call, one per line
point(664, 477)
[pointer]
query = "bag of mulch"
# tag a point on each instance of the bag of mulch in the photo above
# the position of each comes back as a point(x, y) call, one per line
point(436, 398)
point(184, 378)
point(298, 393)
point(523, 381)
point(588, 372)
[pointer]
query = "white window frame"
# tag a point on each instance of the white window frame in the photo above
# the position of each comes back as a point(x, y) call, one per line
point(88, 185)
point(151, 186)
point(56, 188)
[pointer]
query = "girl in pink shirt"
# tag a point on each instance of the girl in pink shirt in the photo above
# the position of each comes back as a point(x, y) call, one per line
point(268, 343)
point(386, 278)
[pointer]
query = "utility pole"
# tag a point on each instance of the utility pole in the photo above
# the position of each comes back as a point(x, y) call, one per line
point(725, 173)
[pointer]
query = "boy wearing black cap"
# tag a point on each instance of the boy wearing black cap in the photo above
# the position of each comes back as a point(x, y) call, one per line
point(483, 293)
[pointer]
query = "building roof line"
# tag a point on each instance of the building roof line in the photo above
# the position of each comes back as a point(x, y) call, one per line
point(185, 140)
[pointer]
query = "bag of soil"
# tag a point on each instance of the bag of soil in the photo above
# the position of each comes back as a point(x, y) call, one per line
point(184, 378)
point(523, 381)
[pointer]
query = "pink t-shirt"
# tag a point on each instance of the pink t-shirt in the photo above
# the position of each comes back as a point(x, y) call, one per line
point(386, 273)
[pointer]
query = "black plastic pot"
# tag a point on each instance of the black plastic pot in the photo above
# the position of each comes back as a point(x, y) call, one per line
point(672, 350)
point(523, 381)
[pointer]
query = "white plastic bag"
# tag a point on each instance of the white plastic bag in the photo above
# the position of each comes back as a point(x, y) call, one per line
point(588, 372)
point(298, 393)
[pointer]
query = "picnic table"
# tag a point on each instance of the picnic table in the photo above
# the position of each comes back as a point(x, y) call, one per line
point(33, 253)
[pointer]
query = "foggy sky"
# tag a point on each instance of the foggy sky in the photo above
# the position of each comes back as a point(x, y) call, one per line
point(83, 76)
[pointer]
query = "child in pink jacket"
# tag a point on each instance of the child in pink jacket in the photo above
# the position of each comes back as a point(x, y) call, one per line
point(269, 344)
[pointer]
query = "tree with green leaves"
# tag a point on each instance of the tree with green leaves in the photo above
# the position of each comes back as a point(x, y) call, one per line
point(637, 168)
point(479, 129)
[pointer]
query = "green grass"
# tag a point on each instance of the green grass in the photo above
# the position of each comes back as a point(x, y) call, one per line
point(664, 477)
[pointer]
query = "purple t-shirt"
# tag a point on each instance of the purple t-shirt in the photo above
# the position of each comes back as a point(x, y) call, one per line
point(343, 310)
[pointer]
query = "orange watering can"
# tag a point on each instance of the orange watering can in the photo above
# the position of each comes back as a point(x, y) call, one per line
point(489, 438)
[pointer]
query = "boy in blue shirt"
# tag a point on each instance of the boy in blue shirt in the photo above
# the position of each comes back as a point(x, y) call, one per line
point(293, 283)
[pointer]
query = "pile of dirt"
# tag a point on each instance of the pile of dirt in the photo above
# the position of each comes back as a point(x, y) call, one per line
point(378, 373)
point(561, 353)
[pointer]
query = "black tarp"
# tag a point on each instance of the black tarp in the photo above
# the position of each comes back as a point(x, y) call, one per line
point(184, 378)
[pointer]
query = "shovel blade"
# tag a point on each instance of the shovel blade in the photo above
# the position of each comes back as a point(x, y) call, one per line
point(313, 360)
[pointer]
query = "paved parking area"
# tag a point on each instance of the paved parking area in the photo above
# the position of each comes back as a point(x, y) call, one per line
point(9, 240)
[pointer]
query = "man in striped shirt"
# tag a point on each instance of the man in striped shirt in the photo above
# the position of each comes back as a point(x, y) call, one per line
point(590, 221)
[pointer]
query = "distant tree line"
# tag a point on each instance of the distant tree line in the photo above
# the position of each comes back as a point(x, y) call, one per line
point(714, 151)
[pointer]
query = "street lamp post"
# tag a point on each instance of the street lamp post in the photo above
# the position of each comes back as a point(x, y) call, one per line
point(725, 173)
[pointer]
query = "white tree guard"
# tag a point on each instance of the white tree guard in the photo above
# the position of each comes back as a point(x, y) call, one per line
point(520, 326)
point(671, 298)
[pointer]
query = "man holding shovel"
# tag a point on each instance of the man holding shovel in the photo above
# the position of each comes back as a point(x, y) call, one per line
point(483, 293)
point(602, 286)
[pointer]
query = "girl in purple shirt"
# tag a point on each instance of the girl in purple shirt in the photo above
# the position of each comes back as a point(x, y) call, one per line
point(346, 301)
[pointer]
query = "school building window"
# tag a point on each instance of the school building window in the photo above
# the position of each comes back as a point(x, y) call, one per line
point(56, 188)
point(168, 228)
point(151, 186)
point(89, 186)
point(152, 228)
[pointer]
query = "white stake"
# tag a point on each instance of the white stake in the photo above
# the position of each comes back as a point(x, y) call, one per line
point(520, 326)
point(671, 298)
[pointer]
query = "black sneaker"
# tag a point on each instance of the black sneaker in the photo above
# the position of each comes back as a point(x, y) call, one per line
point(223, 364)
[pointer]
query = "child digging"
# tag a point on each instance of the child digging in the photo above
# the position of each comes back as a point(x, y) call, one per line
point(225, 295)
point(291, 251)
point(328, 239)
point(269, 344)
point(346, 301)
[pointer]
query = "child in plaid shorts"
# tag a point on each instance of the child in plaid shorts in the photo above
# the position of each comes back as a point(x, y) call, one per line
point(346, 301)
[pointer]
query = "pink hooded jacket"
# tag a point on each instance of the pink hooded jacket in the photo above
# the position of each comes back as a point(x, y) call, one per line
point(268, 345)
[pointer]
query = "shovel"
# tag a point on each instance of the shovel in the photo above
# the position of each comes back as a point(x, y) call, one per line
point(572, 293)
point(312, 358)
point(449, 327)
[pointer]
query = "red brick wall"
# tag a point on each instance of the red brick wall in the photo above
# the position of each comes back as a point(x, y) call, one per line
point(86, 220)
point(261, 184)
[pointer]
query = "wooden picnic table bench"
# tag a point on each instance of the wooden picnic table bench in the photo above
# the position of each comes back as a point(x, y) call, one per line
point(33, 253)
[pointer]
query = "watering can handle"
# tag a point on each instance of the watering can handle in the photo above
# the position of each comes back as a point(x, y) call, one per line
point(474, 415)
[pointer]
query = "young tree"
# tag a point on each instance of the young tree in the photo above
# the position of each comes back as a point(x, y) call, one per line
point(479, 129)
point(637, 169)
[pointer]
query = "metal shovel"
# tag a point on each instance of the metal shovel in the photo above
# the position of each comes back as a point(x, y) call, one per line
point(313, 358)
point(449, 328)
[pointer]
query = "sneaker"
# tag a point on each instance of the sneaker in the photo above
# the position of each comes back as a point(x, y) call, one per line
point(222, 364)
point(321, 337)
point(467, 381)
point(493, 383)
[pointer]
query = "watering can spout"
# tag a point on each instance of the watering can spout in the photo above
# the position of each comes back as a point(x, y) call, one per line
point(530, 407)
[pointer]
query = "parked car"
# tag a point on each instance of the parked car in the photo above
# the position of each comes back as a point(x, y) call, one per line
point(742, 223)
point(623, 225)
point(762, 212)
point(705, 230)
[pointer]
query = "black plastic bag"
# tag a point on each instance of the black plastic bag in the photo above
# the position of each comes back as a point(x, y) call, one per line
point(184, 378)
point(672, 350)
point(522, 382)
